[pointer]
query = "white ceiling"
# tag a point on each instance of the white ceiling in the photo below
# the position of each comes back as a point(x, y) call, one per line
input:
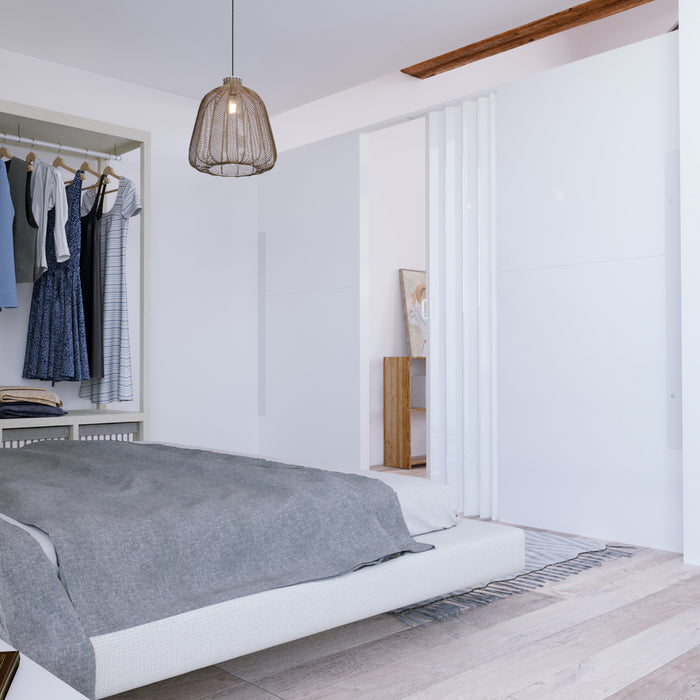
point(289, 52)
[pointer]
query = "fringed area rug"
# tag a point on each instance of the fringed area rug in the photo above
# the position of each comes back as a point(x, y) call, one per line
point(548, 558)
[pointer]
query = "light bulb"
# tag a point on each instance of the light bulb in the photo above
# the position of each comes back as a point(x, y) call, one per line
point(232, 106)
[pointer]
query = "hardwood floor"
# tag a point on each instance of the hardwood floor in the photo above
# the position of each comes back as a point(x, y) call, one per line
point(628, 629)
point(413, 471)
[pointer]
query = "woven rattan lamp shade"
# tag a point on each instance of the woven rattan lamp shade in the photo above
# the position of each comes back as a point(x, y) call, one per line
point(232, 135)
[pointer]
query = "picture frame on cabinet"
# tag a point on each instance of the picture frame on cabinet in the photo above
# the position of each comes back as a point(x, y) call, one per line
point(414, 302)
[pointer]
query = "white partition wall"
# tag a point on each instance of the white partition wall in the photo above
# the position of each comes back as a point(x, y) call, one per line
point(588, 329)
point(461, 303)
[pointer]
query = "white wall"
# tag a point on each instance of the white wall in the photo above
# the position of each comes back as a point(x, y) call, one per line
point(588, 294)
point(396, 239)
point(203, 252)
point(397, 95)
point(689, 11)
point(310, 368)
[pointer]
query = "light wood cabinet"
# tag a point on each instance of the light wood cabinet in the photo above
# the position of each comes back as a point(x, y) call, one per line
point(404, 396)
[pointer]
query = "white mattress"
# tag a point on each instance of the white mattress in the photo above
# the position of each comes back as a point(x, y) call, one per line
point(467, 555)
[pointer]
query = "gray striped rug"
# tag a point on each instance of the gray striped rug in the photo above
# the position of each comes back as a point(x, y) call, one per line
point(548, 558)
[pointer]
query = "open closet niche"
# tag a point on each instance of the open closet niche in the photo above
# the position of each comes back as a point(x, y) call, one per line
point(25, 129)
point(396, 238)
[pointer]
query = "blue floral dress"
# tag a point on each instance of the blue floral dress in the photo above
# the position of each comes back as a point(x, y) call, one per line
point(56, 345)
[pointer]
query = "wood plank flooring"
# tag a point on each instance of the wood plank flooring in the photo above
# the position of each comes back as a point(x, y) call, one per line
point(628, 629)
point(413, 471)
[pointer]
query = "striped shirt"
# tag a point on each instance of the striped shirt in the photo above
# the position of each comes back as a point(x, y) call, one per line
point(116, 385)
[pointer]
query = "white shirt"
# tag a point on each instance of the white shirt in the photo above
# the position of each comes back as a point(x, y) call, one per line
point(48, 191)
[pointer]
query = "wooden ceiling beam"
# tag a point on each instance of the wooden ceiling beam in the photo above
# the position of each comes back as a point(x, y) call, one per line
point(552, 24)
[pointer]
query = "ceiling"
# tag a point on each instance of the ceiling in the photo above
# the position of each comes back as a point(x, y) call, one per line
point(289, 52)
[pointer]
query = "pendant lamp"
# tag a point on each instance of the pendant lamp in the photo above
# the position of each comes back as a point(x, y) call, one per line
point(232, 135)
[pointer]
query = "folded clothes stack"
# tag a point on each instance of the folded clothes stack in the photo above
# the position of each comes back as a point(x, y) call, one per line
point(29, 402)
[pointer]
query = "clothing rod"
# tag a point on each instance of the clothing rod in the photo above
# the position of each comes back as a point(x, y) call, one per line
point(43, 145)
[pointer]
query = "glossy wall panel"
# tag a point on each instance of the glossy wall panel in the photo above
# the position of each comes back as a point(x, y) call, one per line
point(588, 293)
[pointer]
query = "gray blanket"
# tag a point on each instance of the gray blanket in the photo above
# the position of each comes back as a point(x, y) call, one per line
point(143, 532)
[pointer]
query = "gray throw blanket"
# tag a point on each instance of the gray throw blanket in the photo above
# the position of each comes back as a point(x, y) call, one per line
point(143, 532)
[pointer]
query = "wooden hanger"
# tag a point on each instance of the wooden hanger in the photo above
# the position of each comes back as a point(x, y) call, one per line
point(86, 167)
point(4, 153)
point(108, 171)
point(107, 181)
point(94, 185)
point(31, 157)
point(60, 163)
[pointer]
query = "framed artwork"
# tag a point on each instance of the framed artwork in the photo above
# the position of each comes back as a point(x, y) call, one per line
point(414, 301)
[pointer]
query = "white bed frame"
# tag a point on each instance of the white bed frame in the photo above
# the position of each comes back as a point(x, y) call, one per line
point(465, 556)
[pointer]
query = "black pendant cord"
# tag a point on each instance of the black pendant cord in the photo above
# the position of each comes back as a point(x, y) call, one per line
point(233, 72)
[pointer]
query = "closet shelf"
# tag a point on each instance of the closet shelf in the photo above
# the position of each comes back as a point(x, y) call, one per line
point(68, 130)
point(73, 425)
point(82, 417)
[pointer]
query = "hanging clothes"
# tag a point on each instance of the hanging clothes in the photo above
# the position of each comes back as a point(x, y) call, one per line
point(56, 347)
point(48, 193)
point(24, 228)
point(116, 385)
point(90, 268)
point(8, 290)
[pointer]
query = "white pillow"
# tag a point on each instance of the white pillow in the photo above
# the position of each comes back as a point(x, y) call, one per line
point(427, 506)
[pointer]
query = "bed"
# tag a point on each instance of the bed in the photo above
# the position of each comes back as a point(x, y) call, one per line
point(410, 543)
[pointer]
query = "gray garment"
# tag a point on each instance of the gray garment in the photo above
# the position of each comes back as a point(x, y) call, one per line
point(24, 228)
point(143, 532)
point(36, 615)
